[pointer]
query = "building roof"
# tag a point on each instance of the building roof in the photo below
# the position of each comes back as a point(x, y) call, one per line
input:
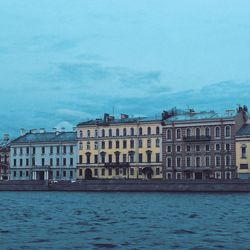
point(46, 137)
point(120, 121)
point(244, 130)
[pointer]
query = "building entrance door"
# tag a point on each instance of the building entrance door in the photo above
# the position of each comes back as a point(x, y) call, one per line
point(40, 175)
point(88, 174)
point(198, 176)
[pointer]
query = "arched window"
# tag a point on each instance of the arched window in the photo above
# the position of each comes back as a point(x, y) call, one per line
point(80, 133)
point(217, 132)
point(88, 145)
point(188, 132)
point(169, 134)
point(197, 132)
point(88, 133)
point(198, 161)
point(157, 130)
point(132, 132)
point(124, 132)
point(207, 161)
point(140, 131)
point(228, 131)
point(103, 132)
point(117, 132)
point(149, 131)
point(178, 134)
point(228, 160)
point(207, 131)
point(148, 143)
point(243, 151)
point(80, 146)
point(110, 132)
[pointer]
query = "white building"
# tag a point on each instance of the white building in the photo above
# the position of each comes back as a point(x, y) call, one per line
point(43, 156)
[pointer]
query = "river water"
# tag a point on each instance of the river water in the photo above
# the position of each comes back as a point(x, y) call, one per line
point(60, 220)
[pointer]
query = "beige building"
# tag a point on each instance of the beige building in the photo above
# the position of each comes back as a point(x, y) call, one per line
point(125, 148)
point(243, 152)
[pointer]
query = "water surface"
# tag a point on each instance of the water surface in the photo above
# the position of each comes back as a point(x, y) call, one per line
point(64, 220)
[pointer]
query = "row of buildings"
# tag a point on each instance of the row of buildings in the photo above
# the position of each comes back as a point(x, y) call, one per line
point(177, 145)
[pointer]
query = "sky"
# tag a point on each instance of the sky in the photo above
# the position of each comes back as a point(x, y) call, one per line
point(63, 62)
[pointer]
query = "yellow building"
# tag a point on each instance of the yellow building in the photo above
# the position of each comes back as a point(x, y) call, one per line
point(125, 148)
point(243, 152)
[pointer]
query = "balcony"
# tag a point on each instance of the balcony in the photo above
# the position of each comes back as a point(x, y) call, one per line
point(196, 138)
point(116, 165)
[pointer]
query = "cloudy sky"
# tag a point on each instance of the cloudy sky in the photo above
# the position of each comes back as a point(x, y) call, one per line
point(64, 61)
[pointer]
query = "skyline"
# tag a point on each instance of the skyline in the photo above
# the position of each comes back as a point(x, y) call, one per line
point(59, 61)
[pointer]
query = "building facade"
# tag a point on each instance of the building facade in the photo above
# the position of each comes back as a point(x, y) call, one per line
point(201, 145)
point(243, 152)
point(43, 156)
point(125, 148)
point(4, 158)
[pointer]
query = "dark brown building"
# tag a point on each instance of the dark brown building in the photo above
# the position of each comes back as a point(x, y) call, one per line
point(200, 145)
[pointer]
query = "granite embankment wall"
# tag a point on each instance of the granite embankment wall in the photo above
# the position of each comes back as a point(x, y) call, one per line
point(130, 186)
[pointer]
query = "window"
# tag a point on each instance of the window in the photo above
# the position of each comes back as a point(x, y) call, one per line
point(169, 134)
point(96, 145)
point(65, 149)
point(80, 159)
point(188, 161)
point(51, 161)
point(132, 132)
point(103, 158)
point(124, 132)
point(217, 147)
point(149, 156)
point(198, 161)
point(43, 150)
point(178, 162)
point(131, 157)
point(58, 149)
point(43, 161)
point(88, 145)
point(117, 171)
point(157, 157)
point(110, 171)
point(140, 143)
point(103, 171)
point(157, 142)
point(117, 157)
point(140, 158)
point(57, 173)
point(21, 151)
point(243, 151)
point(140, 131)
point(124, 158)
point(21, 173)
point(96, 172)
point(110, 158)
point(58, 161)
point(51, 150)
point(27, 162)
point(207, 147)
point(178, 134)
point(197, 148)
point(103, 132)
point(96, 159)
point(117, 132)
point(217, 161)
point(64, 173)
point(110, 144)
point(27, 173)
point(14, 151)
point(140, 171)
point(188, 148)
point(110, 132)
point(207, 161)
point(27, 150)
point(243, 166)
point(33, 150)
point(14, 173)
point(80, 133)
point(80, 147)
point(71, 149)
point(197, 132)
point(124, 143)
point(228, 131)
point(148, 143)
point(33, 161)
point(228, 160)
point(88, 133)
point(64, 161)
point(71, 161)
point(157, 130)
point(227, 147)
point(96, 133)
point(169, 149)
point(149, 130)
point(132, 171)
point(188, 132)
point(88, 158)
point(178, 148)
point(157, 172)
point(169, 162)
point(132, 144)
point(217, 132)
point(169, 176)
point(103, 144)
point(207, 131)
point(21, 162)
point(80, 172)
point(71, 174)
point(117, 144)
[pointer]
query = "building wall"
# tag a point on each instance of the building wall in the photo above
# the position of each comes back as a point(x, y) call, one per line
point(4, 163)
point(22, 166)
point(93, 135)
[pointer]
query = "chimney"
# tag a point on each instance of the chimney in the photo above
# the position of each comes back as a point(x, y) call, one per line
point(42, 131)
point(6, 137)
point(124, 116)
point(22, 131)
